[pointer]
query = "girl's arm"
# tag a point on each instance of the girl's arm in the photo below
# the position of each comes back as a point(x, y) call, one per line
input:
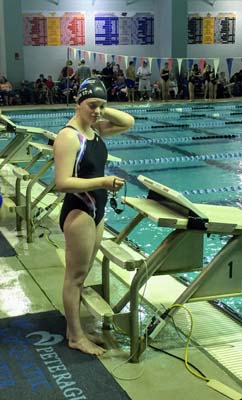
point(114, 122)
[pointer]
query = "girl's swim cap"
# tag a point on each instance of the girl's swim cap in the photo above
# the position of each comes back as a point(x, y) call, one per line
point(91, 87)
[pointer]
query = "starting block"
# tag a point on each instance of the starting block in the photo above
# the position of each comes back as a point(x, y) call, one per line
point(181, 251)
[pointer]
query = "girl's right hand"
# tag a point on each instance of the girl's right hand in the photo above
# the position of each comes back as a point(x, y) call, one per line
point(113, 183)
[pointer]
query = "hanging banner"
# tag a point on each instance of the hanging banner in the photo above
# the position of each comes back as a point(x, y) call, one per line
point(208, 30)
point(123, 28)
point(54, 29)
point(212, 28)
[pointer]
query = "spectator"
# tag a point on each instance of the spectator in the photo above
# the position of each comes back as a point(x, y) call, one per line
point(194, 80)
point(40, 90)
point(6, 91)
point(50, 89)
point(117, 71)
point(223, 86)
point(119, 89)
point(237, 83)
point(67, 71)
point(173, 86)
point(107, 78)
point(207, 76)
point(26, 93)
point(156, 90)
point(184, 93)
point(143, 73)
point(213, 85)
point(165, 81)
point(130, 81)
point(83, 72)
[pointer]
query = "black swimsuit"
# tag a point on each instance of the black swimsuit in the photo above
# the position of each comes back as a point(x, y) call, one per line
point(90, 163)
point(166, 77)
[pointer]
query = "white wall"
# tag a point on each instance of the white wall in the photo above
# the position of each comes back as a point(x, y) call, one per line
point(222, 51)
point(2, 42)
point(51, 59)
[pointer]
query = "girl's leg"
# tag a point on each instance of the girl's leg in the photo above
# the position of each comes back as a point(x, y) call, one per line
point(191, 91)
point(82, 240)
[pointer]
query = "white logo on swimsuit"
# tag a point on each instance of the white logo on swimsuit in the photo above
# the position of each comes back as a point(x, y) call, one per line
point(46, 338)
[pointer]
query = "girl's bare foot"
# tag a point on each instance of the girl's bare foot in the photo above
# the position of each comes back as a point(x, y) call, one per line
point(86, 346)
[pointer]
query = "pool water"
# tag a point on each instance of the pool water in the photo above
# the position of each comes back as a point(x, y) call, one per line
point(193, 148)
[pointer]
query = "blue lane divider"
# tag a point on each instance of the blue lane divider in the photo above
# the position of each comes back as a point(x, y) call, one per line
point(168, 160)
point(185, 139)
point(213, 190)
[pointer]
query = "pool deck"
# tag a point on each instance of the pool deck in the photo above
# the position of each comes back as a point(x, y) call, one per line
point(30, 285)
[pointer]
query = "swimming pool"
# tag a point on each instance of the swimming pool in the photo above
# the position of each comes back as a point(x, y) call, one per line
point(193, 148)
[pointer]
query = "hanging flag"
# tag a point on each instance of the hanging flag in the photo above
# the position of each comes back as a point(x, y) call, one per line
point(216, 65)
point(150, 61)
point(68, 53)
point(229, 64)
point(158, 61)
point(135, 60)
point(120, 59)
point(190, 64)
point(79, 54)
point(179, 62)
point(89, 55)
point(126, 61)
point(113, 57)
point(142, 60)
point(100, 57)
point(201, 64)
point(105, 58)
point(94, 57)
point(170, 62)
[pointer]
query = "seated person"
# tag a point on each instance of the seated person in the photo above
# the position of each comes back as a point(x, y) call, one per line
point(119, 89)
point(236, 79)
point(183, 86)
point(173, 87)
point(40, 90)
point(223, 86)
point(6, 91)
point(156, 92)
point(26, 93)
